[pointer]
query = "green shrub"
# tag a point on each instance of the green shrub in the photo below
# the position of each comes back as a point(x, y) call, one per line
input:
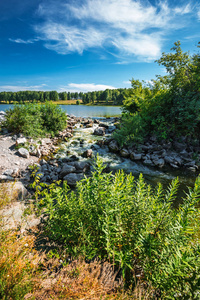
point(35, 119)
point(132, 129)
point(133, 226)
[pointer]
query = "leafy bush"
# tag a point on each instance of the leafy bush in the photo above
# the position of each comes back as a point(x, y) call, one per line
point(132, 129)
point(35, 119)
point(169, 106)
point(133, 226)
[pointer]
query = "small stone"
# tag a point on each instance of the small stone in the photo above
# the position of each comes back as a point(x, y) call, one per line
point(8, 172)
point(21, 141)
point(88, 153)
point(124, 152)
point(23, 152)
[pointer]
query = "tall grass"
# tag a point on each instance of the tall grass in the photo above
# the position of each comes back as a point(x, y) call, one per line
point(134, 227)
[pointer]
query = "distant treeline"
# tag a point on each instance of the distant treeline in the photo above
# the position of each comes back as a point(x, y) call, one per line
point(113, 97)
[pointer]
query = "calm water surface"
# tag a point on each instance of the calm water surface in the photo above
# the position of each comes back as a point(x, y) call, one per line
point(83, 111)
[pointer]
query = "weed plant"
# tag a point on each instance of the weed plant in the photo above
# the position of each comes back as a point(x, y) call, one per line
point(133, 226)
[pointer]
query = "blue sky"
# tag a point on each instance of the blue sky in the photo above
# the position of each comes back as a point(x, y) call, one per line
point(85, 45)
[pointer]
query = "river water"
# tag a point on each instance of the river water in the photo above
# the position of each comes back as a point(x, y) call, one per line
point(152, 175)
point(83, 110)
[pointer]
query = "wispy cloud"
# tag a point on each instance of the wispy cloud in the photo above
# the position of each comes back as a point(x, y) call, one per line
point(128, 28)
point(85, 87)
point(21, 41)
point(198, 14)
point(16, 88)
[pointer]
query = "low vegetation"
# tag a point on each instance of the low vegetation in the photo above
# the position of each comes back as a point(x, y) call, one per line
point(35, 119)
point(134, 227)
point(167, 107)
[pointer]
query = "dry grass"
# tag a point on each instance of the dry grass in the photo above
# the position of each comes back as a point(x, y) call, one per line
point(6, 196)
point(85, 281)
point(18, 264)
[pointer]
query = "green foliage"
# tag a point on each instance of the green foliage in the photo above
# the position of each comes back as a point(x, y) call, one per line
point(170, 105)
point(134, 226)
point(35, 120)
point(132, 129)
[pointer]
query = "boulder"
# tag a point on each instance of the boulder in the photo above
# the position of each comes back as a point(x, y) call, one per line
point(81, 166)
point(73, 178)
point(113, 146)
point(23, 152)
point(66, 169)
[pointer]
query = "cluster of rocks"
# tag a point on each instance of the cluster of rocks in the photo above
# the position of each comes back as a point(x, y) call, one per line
point(174, 154)
point(67, 169)
point(101, 128)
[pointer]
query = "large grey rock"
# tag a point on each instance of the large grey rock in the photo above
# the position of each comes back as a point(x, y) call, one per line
point(66, 169)
point(99, 131)
point(23, 152)
point(113, 146)
point(81, 166)
point(73, 178)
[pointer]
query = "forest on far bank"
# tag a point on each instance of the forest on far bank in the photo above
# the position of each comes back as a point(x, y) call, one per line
point(111, 97)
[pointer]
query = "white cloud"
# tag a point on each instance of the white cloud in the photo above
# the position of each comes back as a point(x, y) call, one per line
point(85, 87)
point(184, 9)
point(127, 82)
point(17, 88)
point(70, 39)
point(130, 28)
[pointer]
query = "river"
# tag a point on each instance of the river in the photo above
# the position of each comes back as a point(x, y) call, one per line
point(83, 110)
